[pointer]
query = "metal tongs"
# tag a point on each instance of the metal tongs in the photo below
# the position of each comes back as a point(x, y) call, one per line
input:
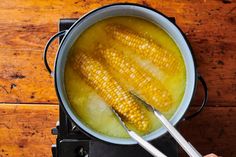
point(189, 149)
point(143, 143)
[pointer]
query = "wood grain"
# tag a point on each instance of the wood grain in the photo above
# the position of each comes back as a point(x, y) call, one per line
point(25, 130)
point(212, 131)
point(26, 26)
point(24, 79)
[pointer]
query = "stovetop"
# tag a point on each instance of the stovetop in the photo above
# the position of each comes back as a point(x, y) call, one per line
point(71, 142)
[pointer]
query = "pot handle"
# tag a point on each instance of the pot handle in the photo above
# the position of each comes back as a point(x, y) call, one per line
point(204, 101)
point(46, 50)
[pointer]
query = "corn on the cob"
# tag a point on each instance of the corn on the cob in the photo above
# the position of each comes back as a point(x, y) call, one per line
point(145, 47)
point(94, 73)
point(149, 87)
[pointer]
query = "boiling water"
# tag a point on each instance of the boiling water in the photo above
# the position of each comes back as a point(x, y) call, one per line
point(89, 106)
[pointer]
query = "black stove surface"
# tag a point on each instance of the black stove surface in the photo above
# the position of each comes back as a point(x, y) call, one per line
point(71, 142)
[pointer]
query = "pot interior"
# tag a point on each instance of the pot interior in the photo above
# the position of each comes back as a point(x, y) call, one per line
point(124, 10)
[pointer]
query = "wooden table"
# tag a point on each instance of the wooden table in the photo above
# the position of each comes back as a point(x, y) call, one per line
point(29, 109)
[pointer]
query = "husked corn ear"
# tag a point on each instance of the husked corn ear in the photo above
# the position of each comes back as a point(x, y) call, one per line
point(145, 47)
point(150, 88)
point(94, 73)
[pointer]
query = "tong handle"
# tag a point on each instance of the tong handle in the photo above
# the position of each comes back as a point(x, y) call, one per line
point(146, 145)
point(189, 149)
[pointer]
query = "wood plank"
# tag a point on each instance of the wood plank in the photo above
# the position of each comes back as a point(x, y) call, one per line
point(25, 78)
point(25, 127)
point(212, 131)
point(25, 130)
point(23, 38)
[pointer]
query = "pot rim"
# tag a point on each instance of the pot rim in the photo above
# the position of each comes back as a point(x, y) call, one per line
point(59, 95)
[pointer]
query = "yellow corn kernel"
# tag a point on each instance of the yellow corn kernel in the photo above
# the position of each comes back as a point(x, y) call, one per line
point(94, 73)
point(145, 47)
point(149, 87)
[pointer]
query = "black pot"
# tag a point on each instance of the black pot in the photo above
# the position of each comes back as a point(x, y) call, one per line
point(124, 9)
